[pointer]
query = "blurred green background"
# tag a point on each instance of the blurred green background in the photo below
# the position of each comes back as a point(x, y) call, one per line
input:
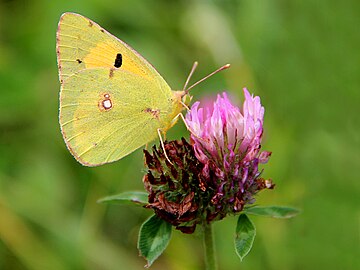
point(301, 57)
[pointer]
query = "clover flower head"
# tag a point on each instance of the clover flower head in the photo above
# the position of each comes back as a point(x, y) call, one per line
point(227, 140)
point(217, 174)
point(223, 131)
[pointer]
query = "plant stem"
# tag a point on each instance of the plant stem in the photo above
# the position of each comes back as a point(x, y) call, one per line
point(210, 259)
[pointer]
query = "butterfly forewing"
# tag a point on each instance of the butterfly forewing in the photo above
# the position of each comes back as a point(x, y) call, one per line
point(83, 44)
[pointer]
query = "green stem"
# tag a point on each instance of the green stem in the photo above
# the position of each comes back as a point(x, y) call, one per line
point(210, 259)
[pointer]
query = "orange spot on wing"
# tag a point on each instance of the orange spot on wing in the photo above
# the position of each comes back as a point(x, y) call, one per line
point(104, 55)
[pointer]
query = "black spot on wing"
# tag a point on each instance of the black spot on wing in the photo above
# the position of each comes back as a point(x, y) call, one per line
point(79, 61)
point(118, 60)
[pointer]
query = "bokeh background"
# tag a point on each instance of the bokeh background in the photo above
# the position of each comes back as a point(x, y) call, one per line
point(301, 57)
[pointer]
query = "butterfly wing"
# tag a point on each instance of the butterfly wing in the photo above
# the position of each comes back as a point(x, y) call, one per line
point(103, 120)
point(83, 44)
point(108, 107)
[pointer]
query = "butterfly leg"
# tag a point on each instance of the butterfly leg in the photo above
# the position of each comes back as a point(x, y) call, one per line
point(186, 125)
point(185, 106)
point(162, 145)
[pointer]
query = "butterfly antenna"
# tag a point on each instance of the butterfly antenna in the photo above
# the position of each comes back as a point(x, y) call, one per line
point(206, 77)
point(190, 74)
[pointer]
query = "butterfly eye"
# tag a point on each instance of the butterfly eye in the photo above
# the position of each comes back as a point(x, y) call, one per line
point(118, 60)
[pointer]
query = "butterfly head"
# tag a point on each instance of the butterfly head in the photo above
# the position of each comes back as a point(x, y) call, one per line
point(182, 99)
point(186, 99)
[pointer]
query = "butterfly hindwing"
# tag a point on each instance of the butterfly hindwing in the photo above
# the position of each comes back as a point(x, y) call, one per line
point(103, 119)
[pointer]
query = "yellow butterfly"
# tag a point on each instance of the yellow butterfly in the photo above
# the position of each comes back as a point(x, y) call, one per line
point(112, 101)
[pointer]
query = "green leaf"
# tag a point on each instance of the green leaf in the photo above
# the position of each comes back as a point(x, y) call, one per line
point(273, 211)
point(245, 235)
point(154, 237)
point(137, 197)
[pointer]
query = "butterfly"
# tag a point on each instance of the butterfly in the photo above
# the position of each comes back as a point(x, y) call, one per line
point(112, 101)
